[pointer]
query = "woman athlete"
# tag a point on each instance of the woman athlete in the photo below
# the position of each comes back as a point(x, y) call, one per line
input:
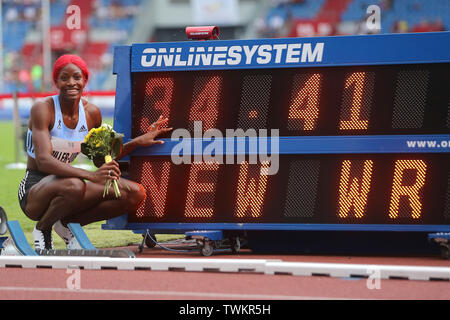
point(53, 192)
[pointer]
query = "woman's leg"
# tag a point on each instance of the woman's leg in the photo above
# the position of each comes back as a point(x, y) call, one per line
point(53, 198)
point(94, 207)
point(73, 200)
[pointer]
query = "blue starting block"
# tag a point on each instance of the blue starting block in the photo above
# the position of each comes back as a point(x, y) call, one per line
point(17, 245)
point(443, 239)
point(81, 236)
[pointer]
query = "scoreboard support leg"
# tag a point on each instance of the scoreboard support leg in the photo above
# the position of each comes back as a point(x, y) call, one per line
point(443, 240)
point(205, 241)
point(147, 240)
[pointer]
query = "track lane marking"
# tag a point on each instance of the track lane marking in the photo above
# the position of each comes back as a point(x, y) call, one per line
point(213, 295)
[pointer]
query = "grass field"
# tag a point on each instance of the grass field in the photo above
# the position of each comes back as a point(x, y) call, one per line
point(10, 180)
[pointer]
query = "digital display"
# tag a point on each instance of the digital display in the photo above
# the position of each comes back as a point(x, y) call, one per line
point(368, 100)
point(343, 189)
point(363, 132)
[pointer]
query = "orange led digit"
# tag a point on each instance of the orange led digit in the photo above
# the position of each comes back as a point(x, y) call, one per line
point(156, 188)
point(152, 97)
point(165, 83)
point(253, 114)
point(206, 98)
point(411, 191)
point(356, 81)
point(354, 193)
point(305, 103)
point(195, 187)
point(250, 192)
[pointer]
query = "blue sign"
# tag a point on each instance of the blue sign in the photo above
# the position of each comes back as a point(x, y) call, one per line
point(291, 52)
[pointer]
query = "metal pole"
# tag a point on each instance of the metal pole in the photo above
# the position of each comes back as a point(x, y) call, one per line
point(17, 135)
point(46, 45)
point(16, 121)
point(2, 77)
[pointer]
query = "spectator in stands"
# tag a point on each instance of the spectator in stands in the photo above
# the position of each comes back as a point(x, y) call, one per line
point(275, 25)
point(280, 3)
point(10, 59)
point(36, 77)
point(12, 14)
point(14, 80)
point(117, 10)
point(24, 80)
point(423, 26)
point(101, 12)
point(438, 25)
point(387, 5)
point(30, 13)
point(400, 27)
point(260, 27)
point(415, 6)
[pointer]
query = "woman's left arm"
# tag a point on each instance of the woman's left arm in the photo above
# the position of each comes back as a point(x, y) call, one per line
point(94, 118)
point(147, 139)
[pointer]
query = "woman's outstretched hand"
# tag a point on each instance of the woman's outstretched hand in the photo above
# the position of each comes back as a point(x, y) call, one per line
point(155, 130)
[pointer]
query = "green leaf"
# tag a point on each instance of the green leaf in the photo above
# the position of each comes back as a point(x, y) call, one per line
point(116, 147)
point(85, 150)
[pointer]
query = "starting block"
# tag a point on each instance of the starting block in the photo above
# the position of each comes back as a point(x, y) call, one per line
point(83, 241)
point(17, 245)
point(110, 253)
point(3, 220)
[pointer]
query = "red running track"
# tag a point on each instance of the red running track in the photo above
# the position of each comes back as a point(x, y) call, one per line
point(16, 283)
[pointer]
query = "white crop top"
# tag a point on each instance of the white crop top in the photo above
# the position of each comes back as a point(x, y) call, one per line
point(66, 142)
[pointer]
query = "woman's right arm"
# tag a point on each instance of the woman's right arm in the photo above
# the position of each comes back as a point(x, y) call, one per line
point(40, 123)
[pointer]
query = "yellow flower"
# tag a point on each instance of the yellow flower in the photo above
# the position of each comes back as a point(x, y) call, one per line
point(88, 136)
point(98, 144)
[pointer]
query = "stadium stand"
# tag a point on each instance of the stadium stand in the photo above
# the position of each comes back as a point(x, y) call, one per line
point(406, 16)
point(106, 23)
point(288, 18)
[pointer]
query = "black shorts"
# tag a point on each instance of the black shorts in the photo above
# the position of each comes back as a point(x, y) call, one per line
point(31, 178)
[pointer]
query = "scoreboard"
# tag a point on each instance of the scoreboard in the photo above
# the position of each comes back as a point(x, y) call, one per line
point(355, 129)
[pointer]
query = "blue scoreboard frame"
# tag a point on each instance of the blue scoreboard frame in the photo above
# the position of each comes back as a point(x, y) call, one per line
point(321, 53)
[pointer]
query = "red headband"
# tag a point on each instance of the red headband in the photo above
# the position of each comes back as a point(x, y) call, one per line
point(68, 59)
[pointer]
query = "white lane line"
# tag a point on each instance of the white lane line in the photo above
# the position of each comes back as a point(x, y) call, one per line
point(164, 264)
point(212, 295)
point(268, 267)
point(341, 270)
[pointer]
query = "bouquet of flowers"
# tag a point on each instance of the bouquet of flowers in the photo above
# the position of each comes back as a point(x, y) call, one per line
point(103, 143)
